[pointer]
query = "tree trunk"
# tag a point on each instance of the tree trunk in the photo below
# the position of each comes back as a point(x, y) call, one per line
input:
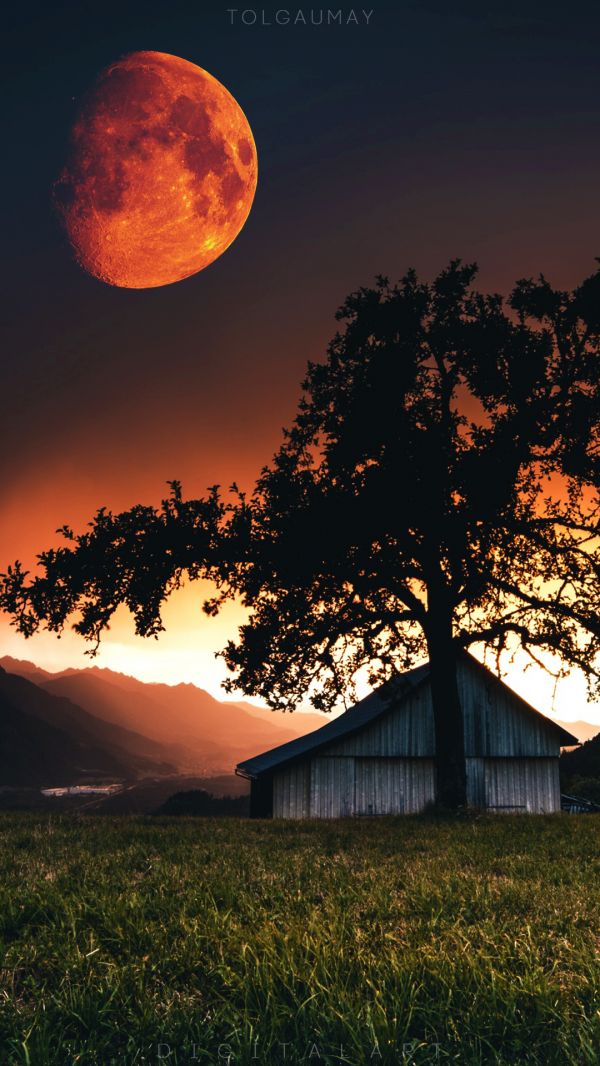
point(447, 715)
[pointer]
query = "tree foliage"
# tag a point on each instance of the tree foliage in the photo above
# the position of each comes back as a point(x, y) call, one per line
point(438, 486)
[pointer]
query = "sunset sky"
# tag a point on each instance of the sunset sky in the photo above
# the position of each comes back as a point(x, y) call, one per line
point(438, 130)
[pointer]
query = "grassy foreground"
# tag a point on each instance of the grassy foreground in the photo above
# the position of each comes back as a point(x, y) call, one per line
point(372, 941)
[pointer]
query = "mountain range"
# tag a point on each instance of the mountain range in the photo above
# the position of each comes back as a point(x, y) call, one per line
point(62, 728)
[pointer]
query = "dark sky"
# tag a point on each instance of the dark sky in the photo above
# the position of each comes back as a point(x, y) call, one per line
point(442, 129)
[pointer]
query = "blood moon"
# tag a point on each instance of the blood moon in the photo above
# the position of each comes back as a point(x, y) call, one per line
point(161, 174)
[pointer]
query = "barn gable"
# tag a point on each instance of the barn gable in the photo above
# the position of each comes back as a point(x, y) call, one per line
point(379, 757)
point(357, 718)
point(498, 722)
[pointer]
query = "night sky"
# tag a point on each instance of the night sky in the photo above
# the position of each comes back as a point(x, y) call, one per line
point(441, 129)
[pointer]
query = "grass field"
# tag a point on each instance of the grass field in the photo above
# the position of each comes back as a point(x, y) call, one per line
point(204, 941)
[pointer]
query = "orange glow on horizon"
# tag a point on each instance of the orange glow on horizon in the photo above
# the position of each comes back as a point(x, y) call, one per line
point(186, 653)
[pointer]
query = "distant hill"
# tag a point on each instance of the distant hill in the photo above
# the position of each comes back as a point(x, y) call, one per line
point(201, 803)
point(300, 722)
point(46, 740)
point(142, 796)
point(145, 796)
point(583, 761)
point(24, 668)
point(139, 708)
point(200, 732)
point(582, 730)
point(179, 725)
point(34, 753)
point(580, 770)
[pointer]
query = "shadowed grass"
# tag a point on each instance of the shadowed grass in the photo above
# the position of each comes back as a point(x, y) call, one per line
point(392, 940)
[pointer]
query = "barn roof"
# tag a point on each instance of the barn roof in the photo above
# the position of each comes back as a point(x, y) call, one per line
point(378, 703)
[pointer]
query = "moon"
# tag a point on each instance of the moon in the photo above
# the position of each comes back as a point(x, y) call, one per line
point(161, 172)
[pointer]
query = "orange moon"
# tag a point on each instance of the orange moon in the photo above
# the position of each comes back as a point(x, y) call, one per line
point(161, 174)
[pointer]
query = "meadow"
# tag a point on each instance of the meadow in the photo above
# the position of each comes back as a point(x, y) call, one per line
point(411, 940)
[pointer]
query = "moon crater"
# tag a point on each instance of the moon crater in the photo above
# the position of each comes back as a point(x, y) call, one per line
point(161, 174)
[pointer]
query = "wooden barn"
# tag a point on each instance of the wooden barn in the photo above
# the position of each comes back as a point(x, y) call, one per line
point(379, 756)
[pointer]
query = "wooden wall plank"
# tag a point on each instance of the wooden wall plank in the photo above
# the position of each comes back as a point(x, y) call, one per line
point(393, 786)
point(291, 791)
point(526, 785)
point(332, 787)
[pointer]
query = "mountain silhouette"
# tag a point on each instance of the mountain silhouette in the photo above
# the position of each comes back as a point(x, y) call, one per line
point(24, 668)
point(582, 730)
point(200, 732)
point(151, 728)
point(48, 740)
point(583, 761)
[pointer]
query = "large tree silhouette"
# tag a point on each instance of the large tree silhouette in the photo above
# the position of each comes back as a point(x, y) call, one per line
point(437, 490)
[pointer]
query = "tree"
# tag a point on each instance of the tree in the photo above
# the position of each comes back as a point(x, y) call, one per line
point(438, 489)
